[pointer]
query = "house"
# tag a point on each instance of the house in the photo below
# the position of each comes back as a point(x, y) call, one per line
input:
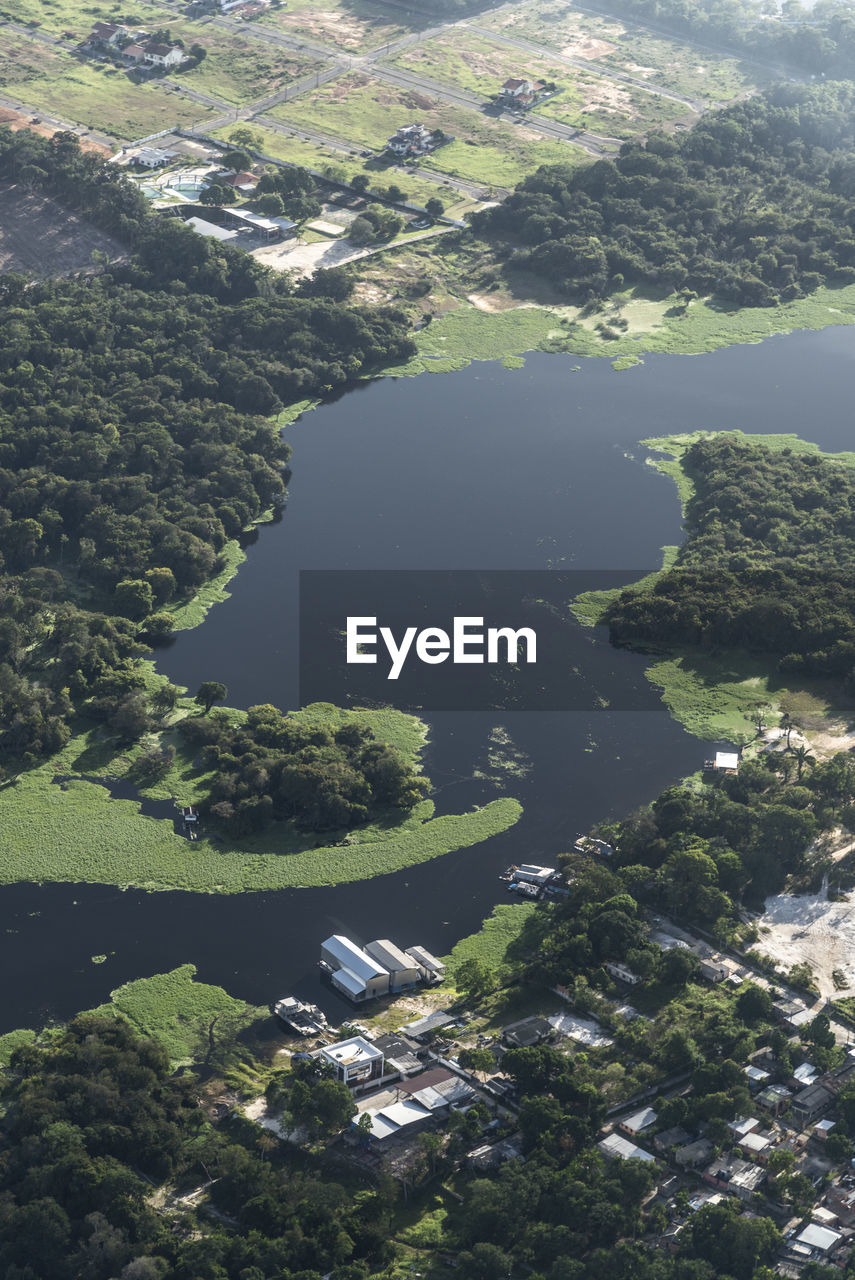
point(402, 969)
point(356, 1062)
point(756, 1077)
point(774, 1098)
point(352, 970)
point(531, 1031)
point(840, 1198)
point(639, 1121)
point(811, 1103)
point(394, 1119)
point(786, 1010)
point(735, 1176)
point(424, 1028)
point(621, 972)
point(266, 228)
point(744, 1125)
point(412, 140)
point(519, 93)
point(243, 181)
point(400, 1053)
point(695, 1153)
point(430, 969)
point(757, 1145)
point(439, 1092)
point(107, 33)
point(674, 1137)
point(823, 1128)
point(134, 52)
point(152, 157)
point(163, 55)
point(614, 1147)
point(490, 1157)
point(713, 971)
point(820, 1240)
point(804, 1075)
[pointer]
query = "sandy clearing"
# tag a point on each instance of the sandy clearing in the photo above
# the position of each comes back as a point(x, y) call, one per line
point(809, 929)
point(40, 238)
point(588, 47)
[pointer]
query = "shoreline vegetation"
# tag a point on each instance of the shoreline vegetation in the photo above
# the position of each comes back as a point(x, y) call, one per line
point(719, 696)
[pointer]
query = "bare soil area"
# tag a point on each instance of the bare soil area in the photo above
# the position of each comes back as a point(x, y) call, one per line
point(40, 238)
point(588, 47)
point(795, 929)
point(17, 120)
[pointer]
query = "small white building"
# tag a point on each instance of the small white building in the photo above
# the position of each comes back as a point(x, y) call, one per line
point(727, 761)
point(153, 157)
point(528, 873)
point(205, 228)
point(163, 55)
point(356, 1061)
point(412, 140)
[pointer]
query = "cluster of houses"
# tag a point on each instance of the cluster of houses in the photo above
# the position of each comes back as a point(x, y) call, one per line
point(378, 969)
point(132, 47)
point(793, 1112)
point(411, 141)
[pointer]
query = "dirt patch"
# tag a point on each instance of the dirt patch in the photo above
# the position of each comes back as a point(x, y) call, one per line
point(40, 238)
point(609, 97)
point(809, 929)
point(492, 302)
point(340, 29)
point(588, 47)
point(15, 120)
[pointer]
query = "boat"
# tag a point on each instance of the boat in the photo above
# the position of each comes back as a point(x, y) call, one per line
point(302, 1019)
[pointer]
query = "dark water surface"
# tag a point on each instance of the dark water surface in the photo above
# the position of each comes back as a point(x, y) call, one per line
point(485, 468)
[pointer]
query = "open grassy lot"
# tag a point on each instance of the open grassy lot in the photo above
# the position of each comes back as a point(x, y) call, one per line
point(586, 100)
point(236, 69)
point(340, 167)
point(349, 25)
point(366, 112)
point(92, 94)
point(609, 42)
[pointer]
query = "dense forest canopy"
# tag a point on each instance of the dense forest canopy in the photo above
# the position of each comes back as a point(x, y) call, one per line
point(768, 563)
point(137, 433)
point(95, 1123)
point(755, 204)
point(818, 39)
point(269, 766)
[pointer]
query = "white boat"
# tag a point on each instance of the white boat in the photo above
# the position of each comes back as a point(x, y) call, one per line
point(303, 1019)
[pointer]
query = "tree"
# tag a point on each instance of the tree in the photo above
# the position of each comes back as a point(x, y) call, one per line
point(210, 691)
point(434, 207)
point(237, 159)
point(360, 182)
point(477, 1059)
point(271, 206)
point(474, 979)
point(133, 598)
point(802, 757)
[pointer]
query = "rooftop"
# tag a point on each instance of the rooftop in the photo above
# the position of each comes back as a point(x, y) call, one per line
point(615, 1145)
point(348, 1052)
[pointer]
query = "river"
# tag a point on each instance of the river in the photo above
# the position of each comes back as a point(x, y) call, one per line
point(485, 468)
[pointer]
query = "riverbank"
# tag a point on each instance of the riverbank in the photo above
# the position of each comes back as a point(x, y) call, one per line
point(721, 696)
point(501, 325)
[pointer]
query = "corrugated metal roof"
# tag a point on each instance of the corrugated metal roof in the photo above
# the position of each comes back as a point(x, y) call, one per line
point(350, 956)
point(390, 956)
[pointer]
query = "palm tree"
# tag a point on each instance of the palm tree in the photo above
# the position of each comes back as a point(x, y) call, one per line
point(802, 756)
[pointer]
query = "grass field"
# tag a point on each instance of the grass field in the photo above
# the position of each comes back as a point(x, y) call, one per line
point(366, 111)
point(586, 100)
point(77, 833)
point(342, 167)
point(350, 25)
point(490, 944)
point(610, 43)
point(92, 94)
point(178, 1011)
